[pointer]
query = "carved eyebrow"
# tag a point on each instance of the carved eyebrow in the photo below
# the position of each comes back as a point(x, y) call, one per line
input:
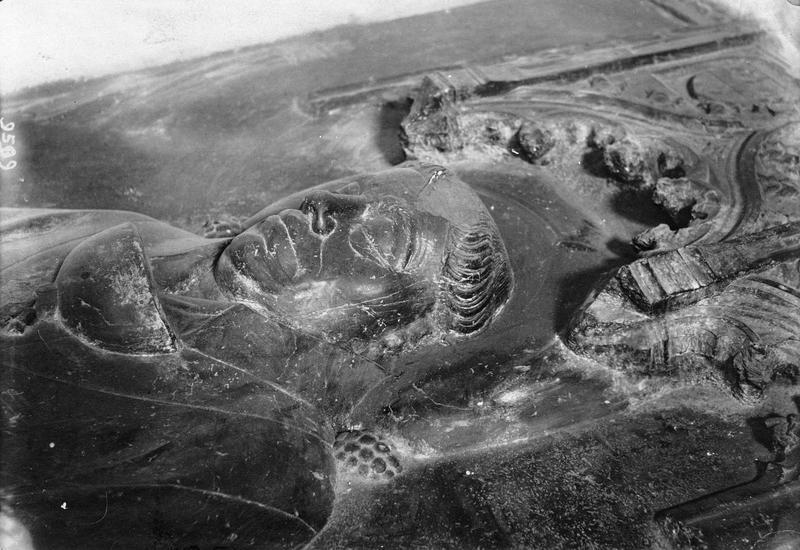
point(352, 188)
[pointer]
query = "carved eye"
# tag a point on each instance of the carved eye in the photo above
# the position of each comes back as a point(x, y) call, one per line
point(384, 235)
point(352, 188)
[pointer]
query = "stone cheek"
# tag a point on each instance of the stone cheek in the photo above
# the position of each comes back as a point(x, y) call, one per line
point(106, 295)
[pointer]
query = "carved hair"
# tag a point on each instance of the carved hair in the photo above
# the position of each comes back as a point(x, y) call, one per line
point(477, 278)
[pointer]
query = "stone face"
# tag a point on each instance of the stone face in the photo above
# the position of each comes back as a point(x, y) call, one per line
point(364, 257)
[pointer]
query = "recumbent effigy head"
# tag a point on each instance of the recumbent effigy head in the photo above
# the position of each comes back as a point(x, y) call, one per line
point(370, 255)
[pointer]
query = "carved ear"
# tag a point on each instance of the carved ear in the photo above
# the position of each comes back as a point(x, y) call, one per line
point(477, 277)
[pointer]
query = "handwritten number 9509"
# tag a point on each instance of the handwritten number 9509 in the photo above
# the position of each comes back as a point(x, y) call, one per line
point(7, 140)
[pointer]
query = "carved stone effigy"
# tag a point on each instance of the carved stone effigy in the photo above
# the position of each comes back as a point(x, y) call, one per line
point(571, 319)
point(216, 369)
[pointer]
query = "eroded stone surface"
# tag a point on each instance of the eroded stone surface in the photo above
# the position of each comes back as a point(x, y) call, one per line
point(777, 170)
point(662, 167)
point(729, 310)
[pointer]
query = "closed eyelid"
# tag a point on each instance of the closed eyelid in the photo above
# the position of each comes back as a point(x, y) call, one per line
point(352, 188)
point(404, 246)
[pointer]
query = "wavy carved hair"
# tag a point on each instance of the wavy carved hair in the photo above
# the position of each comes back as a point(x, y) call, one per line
point(476, 277)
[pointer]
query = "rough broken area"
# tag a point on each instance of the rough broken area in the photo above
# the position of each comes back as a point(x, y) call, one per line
point(728, 312)
point(448, 125)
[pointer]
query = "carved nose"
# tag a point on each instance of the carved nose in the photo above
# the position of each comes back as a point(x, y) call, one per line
point(327, 209)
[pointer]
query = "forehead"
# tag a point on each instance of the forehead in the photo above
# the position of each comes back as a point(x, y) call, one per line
point(428, 188)
point(403, 184)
